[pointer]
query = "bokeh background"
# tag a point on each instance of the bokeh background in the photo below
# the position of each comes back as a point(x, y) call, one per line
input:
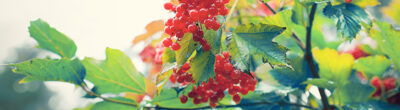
point(92, 24)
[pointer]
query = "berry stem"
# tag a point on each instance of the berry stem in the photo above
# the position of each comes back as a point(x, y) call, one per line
point(309, 57)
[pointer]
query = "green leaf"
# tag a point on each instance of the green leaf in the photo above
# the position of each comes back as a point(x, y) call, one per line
point(388, 41)
point(202, 66)
point(214, 39)
point(371, 105)
point(166, 72)
point(187, 48)
point(169, 98)
point(372, 66)
point(52, 40)
point(353, 93)
point(106, 105)
point(168, 56)
point(291, 76)
point(256, 39)
point(51, 70)
point(348, 17)
point(323, 83)
point(114, 75)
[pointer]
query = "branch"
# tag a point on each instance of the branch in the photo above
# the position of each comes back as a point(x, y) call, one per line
point(309, 58)
point(207, 107)
point(297, 39)
point(106, 99)
point(241, 105)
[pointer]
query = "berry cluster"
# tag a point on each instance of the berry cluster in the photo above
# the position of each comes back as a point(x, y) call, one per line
point(181, 75)
point(227, 78)
point(389, 83)
point(189, 15)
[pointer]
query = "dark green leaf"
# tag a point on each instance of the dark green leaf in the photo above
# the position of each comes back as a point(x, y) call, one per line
point(348, 17)
point(371, 105)
point(202, 66)
point(291, 77)
point(249, 40)
point(114, 75)
point(52, 40)
point(353, 93)
point(51, 70)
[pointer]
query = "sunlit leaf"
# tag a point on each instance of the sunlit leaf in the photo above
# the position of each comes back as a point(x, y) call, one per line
point(51, 70)
point(51, 39)
point(114, 75)
point(372, 66)
point(187, 48)
point(388, 41)
point(292, 77)
point(334, 66)
point(323, 83)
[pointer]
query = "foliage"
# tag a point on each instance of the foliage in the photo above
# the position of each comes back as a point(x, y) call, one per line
point(268, 48)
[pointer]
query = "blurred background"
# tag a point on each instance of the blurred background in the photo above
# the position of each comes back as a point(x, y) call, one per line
point(92, 24)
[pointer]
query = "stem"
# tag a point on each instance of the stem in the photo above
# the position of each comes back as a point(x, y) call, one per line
point(207, 107)
point(309, 58)
point(241, 105)
point(297, 39)
point(106, 99)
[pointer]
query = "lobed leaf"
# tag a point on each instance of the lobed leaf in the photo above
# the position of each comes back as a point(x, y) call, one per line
point(52, 40)
point(114, 75)
point(51, 70)
point(251, 40)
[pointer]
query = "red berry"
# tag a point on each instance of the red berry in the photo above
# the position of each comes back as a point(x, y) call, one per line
point(192, 28)
point(348, 1)
point(389, 83)
point(192, 94)
point(206, 47)
point(196, 101)
point(213, 104)
point(236, 98)
point(175, 46)
point(167, 42)
point(168, 6)
point(184, 99)
point(375, 81)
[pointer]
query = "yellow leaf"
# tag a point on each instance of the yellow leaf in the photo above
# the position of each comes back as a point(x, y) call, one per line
point(365, 3)
point(151, 28)
point(334, 66)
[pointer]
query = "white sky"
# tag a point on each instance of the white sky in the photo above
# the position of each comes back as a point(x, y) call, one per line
point(92, 24)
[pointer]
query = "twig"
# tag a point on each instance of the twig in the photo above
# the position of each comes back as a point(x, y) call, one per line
point(221, 106)
point(297, 39)
point(309, 58)
point(241, 105)
point(106, 99)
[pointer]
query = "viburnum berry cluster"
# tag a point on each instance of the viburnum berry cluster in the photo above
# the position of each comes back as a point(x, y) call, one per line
point(181, 75)
point(227, 79)
point(189, 14)
point(388, 83)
